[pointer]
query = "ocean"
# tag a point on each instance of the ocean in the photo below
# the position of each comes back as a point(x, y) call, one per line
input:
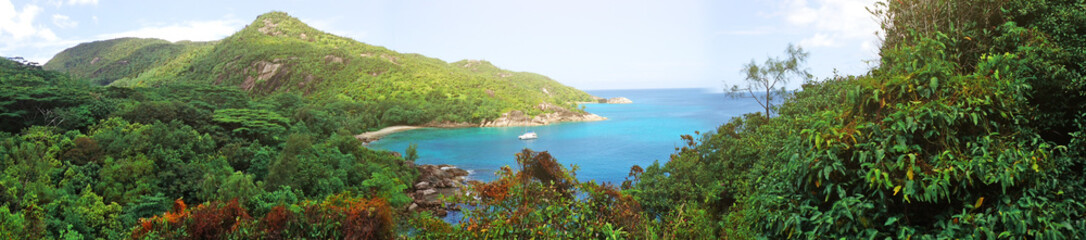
point(634, 134)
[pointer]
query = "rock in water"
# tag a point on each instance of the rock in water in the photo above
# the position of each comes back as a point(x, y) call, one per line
point(456, 172)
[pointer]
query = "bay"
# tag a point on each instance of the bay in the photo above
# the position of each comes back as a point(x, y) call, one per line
point(634, 134)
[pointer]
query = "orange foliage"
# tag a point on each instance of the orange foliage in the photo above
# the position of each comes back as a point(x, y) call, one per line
point(179, 211)
point(179, 205)
point(216, 220)
point(542, 167)
point(172, 218)
point(204, 222)
point(364, 219)
point(493, 192)
point(618, 208)
point(346, 217)
point(633, 178)
point(275, 221)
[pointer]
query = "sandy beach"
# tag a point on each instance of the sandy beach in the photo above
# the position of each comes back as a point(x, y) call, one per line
point(374, 135)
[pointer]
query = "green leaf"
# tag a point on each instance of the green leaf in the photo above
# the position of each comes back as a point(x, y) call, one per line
point(891, 221)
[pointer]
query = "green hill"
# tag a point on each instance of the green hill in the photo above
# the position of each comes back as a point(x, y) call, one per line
point(279, 54)
point(103, 62)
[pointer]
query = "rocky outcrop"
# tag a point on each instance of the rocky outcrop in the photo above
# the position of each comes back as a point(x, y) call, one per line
point(619, 100)
point(433, 182)
point(264, 71)
point(269, 28)
point(330, 59)
point(556, 114)
point(614, 100)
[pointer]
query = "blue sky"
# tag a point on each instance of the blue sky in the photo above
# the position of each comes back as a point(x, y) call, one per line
point(585, 44)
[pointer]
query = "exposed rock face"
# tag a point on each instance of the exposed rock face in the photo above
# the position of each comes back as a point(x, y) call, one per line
point(619, 100)
point(329, 59)
point(265, 70)
point(517, 118)
point(435, 181)
point(269, 28)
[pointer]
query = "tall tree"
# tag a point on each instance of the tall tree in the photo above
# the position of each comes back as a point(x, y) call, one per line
point(771, 76)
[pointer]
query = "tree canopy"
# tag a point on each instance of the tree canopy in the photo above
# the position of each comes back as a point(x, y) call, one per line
point(765, 83)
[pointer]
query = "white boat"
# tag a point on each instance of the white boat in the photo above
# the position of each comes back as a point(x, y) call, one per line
point(528, 135)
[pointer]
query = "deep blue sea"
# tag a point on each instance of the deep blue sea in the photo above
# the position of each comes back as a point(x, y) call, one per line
point(634, 134)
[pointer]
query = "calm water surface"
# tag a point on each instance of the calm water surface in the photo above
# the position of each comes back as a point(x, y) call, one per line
point(634, 134)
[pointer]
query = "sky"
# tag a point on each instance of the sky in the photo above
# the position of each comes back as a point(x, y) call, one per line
point(605, 44)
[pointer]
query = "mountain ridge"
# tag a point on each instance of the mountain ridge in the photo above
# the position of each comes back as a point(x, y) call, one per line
point(279, 54)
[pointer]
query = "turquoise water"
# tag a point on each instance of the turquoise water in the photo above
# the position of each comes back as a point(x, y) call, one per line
point(634, 134)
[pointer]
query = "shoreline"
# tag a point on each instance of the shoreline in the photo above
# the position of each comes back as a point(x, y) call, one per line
point(368, 137)
point(513, 118)
point(372, 136)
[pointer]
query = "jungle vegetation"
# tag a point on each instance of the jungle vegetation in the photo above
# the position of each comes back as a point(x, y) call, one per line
point(972, 127)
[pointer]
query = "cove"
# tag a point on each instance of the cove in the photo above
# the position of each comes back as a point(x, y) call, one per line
point(634, 134)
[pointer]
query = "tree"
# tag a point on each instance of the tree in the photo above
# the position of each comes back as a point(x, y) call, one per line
point(412, 152)
point(771, 76)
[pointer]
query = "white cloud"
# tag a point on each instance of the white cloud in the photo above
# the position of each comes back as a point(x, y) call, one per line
point(19, 25)
point(61, 3)
point(819, 40)
point(22, 36)
point(82, 2)
point(799, 13)
point(192, 30)
point(19, 31)
point(63, 21)
point(834, 22)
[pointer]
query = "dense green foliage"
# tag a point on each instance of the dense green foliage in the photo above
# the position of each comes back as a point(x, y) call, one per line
point(972, 127)
point(88, 161)
point(279, 54)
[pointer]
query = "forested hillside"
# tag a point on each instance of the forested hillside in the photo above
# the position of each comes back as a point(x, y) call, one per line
point(103, 62)
point(89, 162)
point(972, 127)
point(276, 53)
